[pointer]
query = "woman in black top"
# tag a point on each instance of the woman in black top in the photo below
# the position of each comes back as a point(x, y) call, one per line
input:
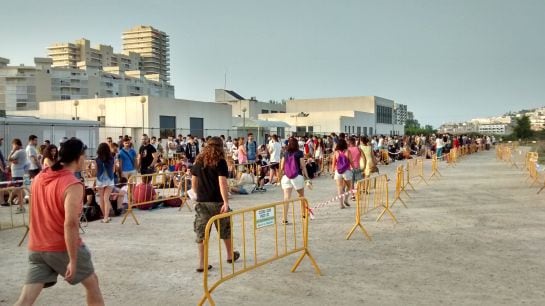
point(209, 182)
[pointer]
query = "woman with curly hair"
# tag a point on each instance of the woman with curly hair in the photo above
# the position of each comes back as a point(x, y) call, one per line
point(209, 182)
point(50, 155)
point(105, 179)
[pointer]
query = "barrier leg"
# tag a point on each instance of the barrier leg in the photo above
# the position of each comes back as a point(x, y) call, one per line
point(129, 211)
point(312, 261)
point(398, 197)
point(365, 233)
point(387, 210)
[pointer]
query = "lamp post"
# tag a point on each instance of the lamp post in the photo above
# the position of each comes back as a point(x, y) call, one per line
point(142, 102)
point(244, 118)
point(76, 103)
point(300, 114)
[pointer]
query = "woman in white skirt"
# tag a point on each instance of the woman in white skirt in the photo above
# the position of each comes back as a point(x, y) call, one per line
point(105, 179)
point(293, 167)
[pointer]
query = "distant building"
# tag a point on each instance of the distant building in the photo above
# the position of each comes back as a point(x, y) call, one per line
point(23, 87)
point(153, 47)
point(252, 106)
point(490, 126)
point(363, 115)
point(537, 118)
point(400, 111)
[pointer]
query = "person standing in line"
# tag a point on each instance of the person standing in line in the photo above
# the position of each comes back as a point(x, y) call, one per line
point(3, 174)
point(356, 155)
point(147, 156)
point(191, 149)
point(439, 144)
point(275, 150)
point(367, 153)
point(18, 160)
point(251, 149)
point(209, 182)
point(105, 179)
point(242, 156)
point(32, 156)
point(54, 242)
point(127, 159)
point(342, 163)
point(295, 171)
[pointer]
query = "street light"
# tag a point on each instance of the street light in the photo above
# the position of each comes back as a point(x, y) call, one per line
point(76, 103)
point(244, 118)
point(143, 101)
point(300, 114)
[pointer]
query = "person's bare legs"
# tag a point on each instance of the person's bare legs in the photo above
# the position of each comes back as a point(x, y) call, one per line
point(287, 196)
point(107, 203)
point(348, 184)
point(228, 248)
point(29, 294)
point(94, 296)
point(340, 190)
point(301, 193)
point(101, 203)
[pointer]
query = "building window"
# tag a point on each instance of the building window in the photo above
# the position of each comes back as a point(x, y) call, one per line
point(365, 131)
point(167, 126)
point(384, 114)
point(101, 120)
point(370, 131)
point(264, 111)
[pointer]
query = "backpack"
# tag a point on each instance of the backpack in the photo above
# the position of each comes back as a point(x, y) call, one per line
point(291, 169)
point(343, 163)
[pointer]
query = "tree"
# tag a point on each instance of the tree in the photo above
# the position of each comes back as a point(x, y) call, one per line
point(523, 128)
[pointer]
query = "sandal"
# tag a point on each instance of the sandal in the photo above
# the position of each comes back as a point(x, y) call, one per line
point(236, 256)
point(285, 222)
point(201, 270)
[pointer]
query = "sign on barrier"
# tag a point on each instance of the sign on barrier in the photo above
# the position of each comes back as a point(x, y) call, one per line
point(146, 190)
point(263, 239)
point(9, 217)
point(371, 194)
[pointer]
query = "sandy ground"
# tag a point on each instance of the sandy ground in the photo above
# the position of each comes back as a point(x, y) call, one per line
point(473, 237)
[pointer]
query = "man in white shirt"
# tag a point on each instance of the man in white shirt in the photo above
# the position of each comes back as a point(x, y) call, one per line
point(275, 150)
point(32, 156)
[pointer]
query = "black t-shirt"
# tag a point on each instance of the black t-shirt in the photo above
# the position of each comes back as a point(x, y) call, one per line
point(146, 156)
point(208, 187)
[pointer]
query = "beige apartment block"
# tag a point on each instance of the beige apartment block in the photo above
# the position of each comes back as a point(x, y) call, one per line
point(153, 47)
point(23, 87)
point(80, 54)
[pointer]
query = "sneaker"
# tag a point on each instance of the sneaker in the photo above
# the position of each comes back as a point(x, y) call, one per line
point(20, 210)
point(4, 204)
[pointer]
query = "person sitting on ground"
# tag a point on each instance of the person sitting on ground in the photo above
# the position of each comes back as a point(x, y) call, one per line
point(262, 171)
point(245, 184)
point(143, 193)
point(118, 197)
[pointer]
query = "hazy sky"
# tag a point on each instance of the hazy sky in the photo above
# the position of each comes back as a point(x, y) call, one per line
point(447, 60)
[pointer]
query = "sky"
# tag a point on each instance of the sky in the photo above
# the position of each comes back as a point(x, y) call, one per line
point(447, 60)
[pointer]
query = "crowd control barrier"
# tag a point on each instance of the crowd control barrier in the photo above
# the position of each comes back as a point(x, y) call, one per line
point(247, 227)
point(371, 194)
point(415, 169)
point(9, 219)
point(400, 186)
point(435, 168)
point(168, 187)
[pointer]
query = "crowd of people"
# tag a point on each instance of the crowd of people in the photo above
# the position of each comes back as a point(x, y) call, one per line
point(213, 169)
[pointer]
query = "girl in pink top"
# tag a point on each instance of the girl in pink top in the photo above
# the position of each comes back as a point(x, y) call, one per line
point(242, 156)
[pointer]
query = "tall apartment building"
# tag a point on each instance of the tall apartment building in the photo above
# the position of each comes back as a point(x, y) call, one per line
point(400, 113)
point(153, 47)
point(23, 87)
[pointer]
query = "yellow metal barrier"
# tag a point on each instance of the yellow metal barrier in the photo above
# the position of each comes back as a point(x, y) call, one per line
point(255, 223)
point(400, 186)
point(415, 169)
point(9, 219)
point(434, 168)
point(371, 194)
point(168, 186)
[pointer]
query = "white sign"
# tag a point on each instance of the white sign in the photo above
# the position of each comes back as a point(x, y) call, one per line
point(264, 217)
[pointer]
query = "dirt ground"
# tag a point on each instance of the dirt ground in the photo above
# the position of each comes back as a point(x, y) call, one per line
point(473, 237)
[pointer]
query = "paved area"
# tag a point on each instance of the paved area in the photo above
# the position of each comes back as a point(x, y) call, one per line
point(473, 237)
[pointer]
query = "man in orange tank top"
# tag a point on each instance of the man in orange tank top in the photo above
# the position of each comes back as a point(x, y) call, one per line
point(55, 246)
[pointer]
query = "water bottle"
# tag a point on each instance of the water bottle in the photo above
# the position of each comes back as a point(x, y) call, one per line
point(26, 179)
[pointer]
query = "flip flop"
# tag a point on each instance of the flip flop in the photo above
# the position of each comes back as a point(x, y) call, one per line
point(236, 255)
point(201, 270)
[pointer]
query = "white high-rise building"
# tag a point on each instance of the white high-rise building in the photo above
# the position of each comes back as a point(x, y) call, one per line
point(153, 47)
